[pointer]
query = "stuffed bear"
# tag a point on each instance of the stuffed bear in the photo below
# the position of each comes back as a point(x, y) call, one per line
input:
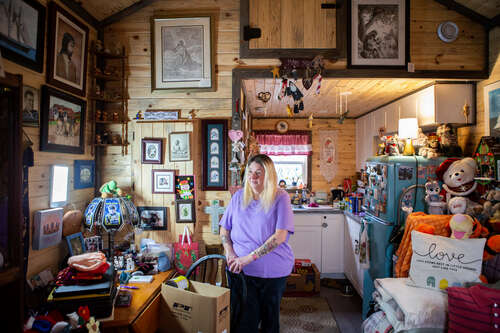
point(432, 148)
point(391, 145)
point(492, 203)
point(433, 198)
point(448, 141)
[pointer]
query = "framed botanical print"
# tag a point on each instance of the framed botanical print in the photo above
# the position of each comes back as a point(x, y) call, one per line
point(185, 211)
point(153, 218)
point(67, 51)
point(163, 181)
point(214, 155)
point(84, 173)
point(378, 33)
point(183, 51)
point(180, 146)
point(152, 151)
point(22, 32)
point(62, 125)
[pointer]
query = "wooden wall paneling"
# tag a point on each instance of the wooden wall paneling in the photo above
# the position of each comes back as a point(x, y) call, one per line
point(265, 14)
point(325, 19)
point(292, 24)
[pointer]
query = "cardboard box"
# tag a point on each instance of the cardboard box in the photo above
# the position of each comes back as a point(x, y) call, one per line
point(203, 308)
point(304, 283)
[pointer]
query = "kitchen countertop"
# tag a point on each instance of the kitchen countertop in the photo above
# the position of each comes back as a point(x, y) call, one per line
point(322, 209)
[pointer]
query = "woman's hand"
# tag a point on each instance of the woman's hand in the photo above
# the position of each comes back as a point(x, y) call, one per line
point(236, 265)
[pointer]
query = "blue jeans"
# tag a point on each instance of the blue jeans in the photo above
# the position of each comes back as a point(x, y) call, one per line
point(262, 304)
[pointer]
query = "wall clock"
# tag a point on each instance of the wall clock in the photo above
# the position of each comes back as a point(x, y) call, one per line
point(282, 126)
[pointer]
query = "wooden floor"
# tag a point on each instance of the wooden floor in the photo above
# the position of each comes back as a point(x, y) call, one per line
point(346, 310)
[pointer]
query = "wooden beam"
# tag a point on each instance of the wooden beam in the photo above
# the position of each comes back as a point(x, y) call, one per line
point(82, 13)
point(125, 12)
point(495, 21)
point(467, 12)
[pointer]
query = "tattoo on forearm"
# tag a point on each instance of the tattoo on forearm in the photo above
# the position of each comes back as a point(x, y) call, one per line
point(267, 247)
point(225, 240)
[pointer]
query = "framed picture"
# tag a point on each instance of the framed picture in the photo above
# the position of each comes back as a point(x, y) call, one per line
point(84, 172)
point(47, 228)
point(492, 108)
point(378, 33)
point(67, 50)
point(152, 218)
point(180, 146)
point(22, 32)
point(163, 181)
point(183, 55)
point(31, 106)
point(184, 187)
point(76, 244)
point(62, 123)
point(184, 211)
point(152, 151)
point(93, 243)
point(161, 114)
point(214, 155)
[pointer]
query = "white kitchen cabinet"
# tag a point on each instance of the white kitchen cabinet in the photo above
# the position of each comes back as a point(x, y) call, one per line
point(352, 268)
point(319, 237)
point(365, 139)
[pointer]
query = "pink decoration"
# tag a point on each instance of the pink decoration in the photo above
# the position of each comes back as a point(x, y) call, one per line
point(318, 88)
point(235, 135)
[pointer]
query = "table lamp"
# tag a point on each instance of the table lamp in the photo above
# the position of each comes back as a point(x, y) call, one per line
point(408, 129)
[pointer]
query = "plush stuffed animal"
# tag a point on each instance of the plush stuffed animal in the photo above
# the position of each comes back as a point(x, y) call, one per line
point(461, 226)
point(448, 140)
point(433, 199)
point(432, 148)
point(111, 189)
point(391, 145)
point(492, 247)
point(492, 203)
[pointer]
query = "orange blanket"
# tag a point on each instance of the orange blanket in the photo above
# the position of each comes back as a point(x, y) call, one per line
point(404, 252)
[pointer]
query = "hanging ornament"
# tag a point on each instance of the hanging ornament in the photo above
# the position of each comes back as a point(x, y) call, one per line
point(289, 111)
point(310, 124)
point(264, 96)
point(466, 111)
point(307, 80)
point(318, 87)
point(276, 72)
point(284, 87)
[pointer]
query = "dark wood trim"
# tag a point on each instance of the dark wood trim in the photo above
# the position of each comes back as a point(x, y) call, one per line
point(467, 12)
point(495, 21)
point(82, 13)
point(125, 12)
point(338, 53)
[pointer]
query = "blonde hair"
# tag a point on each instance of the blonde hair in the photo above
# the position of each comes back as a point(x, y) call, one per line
point(268, 195)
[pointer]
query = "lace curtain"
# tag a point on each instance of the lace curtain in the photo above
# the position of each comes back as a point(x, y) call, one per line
point(284, 144)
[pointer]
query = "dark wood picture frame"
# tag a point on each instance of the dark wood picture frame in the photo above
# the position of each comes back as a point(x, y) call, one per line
point(144, 226)
point(155, 185)
point(159, 151)
point(62, 127)
point(21, 53)
point(214, 178)
point(59, 21)
point(353, 36)
point(180, 205)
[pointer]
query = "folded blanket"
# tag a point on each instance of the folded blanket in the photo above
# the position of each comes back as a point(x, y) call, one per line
point(410, 307)
point(87, 262)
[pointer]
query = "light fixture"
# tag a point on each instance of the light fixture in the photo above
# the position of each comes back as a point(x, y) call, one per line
point(408, 129)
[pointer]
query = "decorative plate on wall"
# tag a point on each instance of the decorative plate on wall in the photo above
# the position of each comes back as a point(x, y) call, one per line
point(447, 31)
point(282, 126)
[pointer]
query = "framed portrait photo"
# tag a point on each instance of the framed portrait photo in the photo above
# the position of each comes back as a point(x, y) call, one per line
point(180, 146)
point(214, 154)
point(492, 108)
point(67, 51)
point(76, 244)
point(152, 151)
point(31, 106)
point(152, 218)
point(182, 51)
point(163, 181)
point(22, 32)
point(84, 172)
point(378, 33)
point(62, 122)
point(185, 211)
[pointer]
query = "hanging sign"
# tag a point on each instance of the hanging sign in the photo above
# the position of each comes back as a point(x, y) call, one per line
point(328, 154)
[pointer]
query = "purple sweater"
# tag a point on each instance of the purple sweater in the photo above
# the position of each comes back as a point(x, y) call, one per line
point(250, 227)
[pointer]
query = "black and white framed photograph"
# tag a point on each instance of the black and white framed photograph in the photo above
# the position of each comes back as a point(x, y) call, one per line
point(152, 151)
point(379, 33)
point(185, 211)
point(183, 51)
point(163, 181)
point(152, 218)
point(31, 106)
point(180, 146)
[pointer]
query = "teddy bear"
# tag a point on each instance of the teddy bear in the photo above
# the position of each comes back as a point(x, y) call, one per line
point(448, 141)
point(433, 198)
point(432, 148)
point(492, 203)
point(391, 145)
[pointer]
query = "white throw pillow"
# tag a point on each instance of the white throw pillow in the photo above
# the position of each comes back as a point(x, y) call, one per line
point(440, 262)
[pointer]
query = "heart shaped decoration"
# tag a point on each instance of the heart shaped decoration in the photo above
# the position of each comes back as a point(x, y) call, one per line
point(264, 96)
point(307, 83)
point(235, 135)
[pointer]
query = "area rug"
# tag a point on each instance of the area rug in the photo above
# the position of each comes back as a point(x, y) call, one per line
point(306, 314)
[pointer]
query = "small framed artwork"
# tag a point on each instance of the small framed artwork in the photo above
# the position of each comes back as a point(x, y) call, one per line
point(185, 211)
point(76, 244)
point(184, 187)
point(214, 155)
point(152, 151)
point(22, 33)
point(67, 50)
point(161, 114)
point(378, 34)
point(183, 51)
point(47, 228)
point(163, 181)
point(62, 125)
point(93, 243)
point(492, 108)
point(180, 146)
point(152, 218)
point(31, 106)
point(84, 172)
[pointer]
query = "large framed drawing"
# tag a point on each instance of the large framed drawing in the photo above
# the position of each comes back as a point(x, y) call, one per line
point(67, 51)
point(378, 33)
point(183, 51)
point(492, 109)
point(62, 125)
point(214, 155)
point(22, 32)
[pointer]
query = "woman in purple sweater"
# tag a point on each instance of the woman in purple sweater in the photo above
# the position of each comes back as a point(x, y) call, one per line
point(254, 231)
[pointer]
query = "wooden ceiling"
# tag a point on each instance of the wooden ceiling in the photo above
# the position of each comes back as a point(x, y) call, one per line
point(487, 8)
point(102, 9)
point(365, 95)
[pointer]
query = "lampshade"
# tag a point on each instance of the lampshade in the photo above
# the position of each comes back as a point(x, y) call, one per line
point(110, 213)
point(408, 128)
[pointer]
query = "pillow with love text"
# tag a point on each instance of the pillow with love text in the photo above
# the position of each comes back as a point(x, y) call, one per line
point(440, 262)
